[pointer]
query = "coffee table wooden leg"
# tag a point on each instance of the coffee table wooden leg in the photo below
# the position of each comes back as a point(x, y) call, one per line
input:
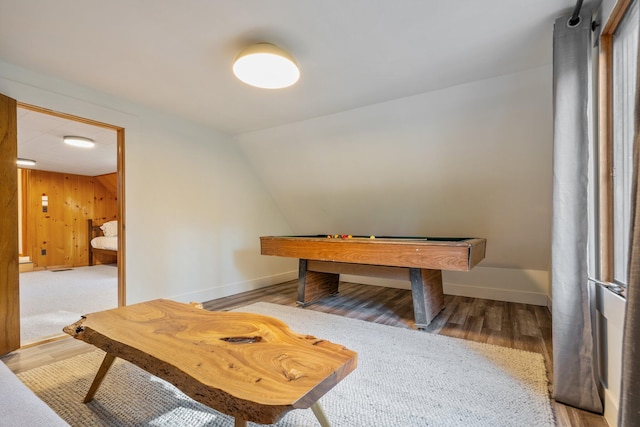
point(102, 371)
point(320, 415)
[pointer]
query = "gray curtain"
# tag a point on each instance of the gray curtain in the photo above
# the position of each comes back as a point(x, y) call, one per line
point(629, 415)
point(575, 379)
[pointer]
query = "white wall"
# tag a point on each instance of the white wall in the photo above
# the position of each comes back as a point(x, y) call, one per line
point(471, 160)
point(194, 208)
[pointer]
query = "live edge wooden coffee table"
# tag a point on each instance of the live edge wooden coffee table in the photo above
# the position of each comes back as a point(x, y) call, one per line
point(249, 366)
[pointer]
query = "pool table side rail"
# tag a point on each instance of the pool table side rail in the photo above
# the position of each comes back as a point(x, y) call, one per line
point(438, 255)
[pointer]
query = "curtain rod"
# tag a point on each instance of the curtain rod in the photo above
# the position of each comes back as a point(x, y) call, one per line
point(575, 16)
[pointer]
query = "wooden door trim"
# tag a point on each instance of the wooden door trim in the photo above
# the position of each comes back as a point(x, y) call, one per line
point(122, 235)
point(9, 276)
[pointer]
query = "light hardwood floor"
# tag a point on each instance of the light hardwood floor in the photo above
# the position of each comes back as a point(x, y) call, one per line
point(518, 326)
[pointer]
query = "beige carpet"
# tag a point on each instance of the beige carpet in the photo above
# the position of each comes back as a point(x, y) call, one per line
point(52, 299)
point(404, 378)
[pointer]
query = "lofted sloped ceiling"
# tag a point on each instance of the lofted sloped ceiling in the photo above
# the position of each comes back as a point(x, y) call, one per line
point(176, 56)
point(411, 117)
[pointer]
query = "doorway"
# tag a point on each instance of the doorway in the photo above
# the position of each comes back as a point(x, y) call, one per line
point(65, 188)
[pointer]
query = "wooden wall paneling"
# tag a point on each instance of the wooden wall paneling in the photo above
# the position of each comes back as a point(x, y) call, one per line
point(78, 194)
point(109, 181)
point(99, 203)
point(42, 219)
point(84, 211)
point(28, 224)
point(99, 211)
point(111, 204)
point(105, 209)
point(56, 241)
point(35, 222)
point(105, 204)
point(99, 206)
point(26, 175)
point(69, 214)
point(62, 230)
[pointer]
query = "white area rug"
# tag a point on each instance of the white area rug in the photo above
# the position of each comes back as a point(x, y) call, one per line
point(404, 378)
point(50, 299)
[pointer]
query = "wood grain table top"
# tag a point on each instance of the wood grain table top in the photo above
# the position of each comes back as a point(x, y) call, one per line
point(246, 365)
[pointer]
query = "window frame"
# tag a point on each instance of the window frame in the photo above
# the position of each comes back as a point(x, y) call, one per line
point(606, 144)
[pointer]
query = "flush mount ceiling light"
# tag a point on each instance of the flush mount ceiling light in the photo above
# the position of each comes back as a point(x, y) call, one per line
point(25, 162)
point(266, 66)
point(79, 141)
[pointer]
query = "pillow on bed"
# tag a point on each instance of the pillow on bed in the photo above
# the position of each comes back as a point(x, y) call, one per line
point(110, 228)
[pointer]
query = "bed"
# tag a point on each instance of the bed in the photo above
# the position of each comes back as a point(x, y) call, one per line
point(103, 242)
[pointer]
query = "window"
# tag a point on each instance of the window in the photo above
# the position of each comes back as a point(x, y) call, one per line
point(624, 67)
point(618, 71)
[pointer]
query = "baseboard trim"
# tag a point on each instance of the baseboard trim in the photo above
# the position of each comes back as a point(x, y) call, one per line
point(459, 290)
point(236, 288)
point(518, 293)
point(610, 409)
point(521, 297)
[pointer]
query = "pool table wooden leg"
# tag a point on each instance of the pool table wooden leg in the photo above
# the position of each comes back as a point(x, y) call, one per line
point(313, 285)
point(428, 297)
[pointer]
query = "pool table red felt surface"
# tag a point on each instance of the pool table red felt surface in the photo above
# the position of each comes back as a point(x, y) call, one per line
point(417, 259)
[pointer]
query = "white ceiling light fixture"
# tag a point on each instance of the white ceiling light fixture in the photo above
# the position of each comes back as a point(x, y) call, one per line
point(266, 66)
point(25, 162)
point(79, 141)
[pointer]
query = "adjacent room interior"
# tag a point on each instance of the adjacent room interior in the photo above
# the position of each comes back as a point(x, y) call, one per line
point(60, 196)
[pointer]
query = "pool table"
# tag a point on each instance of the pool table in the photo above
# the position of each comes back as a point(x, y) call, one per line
point(419, 260)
